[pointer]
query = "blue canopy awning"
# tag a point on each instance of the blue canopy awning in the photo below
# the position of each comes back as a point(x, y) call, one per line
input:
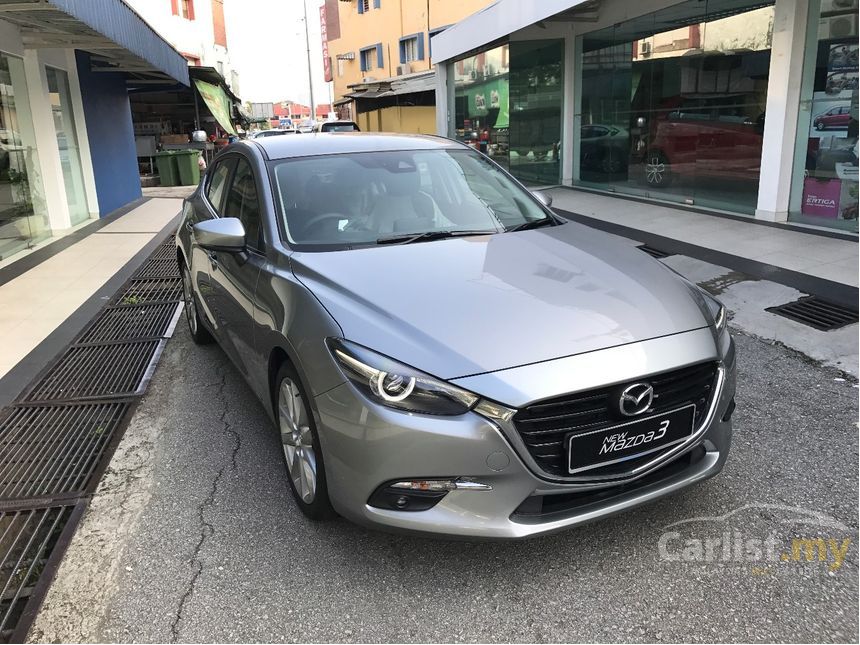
point(109, 29)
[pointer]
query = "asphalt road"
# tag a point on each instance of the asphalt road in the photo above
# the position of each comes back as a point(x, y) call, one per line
point(208, 546)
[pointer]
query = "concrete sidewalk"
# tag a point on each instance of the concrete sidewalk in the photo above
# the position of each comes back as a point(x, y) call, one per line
point(789, 249)
point(37, 302)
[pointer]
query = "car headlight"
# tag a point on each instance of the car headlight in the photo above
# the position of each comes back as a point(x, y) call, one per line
point(395, 385)
point(718, 311)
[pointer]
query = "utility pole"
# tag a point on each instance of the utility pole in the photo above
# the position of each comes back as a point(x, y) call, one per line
point(310, 76)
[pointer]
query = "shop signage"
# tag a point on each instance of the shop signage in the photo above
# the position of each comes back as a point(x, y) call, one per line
point(324, 36)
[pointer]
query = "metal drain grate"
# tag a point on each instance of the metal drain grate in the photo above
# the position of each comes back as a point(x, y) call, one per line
point(128, 322)
point(151, 290)
point(654, 253)
point(28, 538)
point(159, 268)
point(49, 450)
point(57, 439)
point(98, 371)
point(817, 313)
point(164, 251)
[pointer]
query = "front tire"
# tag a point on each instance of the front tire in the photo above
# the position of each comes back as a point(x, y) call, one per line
point(819, 126)
point(302, 454)
point(199, 333)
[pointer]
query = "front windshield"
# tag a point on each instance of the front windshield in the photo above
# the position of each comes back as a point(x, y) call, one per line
point(341, 201)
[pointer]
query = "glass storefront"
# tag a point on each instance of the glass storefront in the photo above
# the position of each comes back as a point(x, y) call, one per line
point(508, 103)
point(67, 140)
point(824, 187)
point(672, 104)
point(23, 215)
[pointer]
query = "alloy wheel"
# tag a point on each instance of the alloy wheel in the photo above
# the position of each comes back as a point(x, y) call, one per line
point(655, 170)
point(297, 440)
point(188, 297)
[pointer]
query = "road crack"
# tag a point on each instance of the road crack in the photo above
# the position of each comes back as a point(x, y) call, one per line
point(207, 529)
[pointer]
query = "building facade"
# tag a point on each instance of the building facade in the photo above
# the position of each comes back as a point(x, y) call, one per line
point(376, 39)
point(741, 106)
point(196, 28)
point(67, 150)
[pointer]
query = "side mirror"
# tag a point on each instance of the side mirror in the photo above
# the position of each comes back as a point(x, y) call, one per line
point(543, 197)
point(223, 234)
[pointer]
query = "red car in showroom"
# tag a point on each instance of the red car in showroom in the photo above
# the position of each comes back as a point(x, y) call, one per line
point(704, 142)
point(837, 117)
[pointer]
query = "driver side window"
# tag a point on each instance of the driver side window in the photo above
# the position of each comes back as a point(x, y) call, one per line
point(242, 202)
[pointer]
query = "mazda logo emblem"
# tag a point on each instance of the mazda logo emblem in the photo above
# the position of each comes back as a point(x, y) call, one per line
point(635, 399)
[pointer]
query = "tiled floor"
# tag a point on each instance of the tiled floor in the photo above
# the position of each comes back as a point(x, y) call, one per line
point(823, 257)
point(38, 301)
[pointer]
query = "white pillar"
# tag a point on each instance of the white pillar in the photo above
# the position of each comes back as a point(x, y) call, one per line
point(443, 99)
point(46, 142)
point(569, 121)
point(83, 138)
point(783, 102)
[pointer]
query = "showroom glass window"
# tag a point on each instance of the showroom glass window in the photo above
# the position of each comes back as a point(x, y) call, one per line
point(508, 103)
point(672, 104)
point(481, 104)
point(534, 118)
point(67, 141)
point(23, 215)
point(824, 187)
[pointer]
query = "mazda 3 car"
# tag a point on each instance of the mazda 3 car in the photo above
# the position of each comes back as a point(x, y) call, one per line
point(439, 351)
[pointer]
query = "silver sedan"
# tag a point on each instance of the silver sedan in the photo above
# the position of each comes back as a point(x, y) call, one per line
point(440, 352)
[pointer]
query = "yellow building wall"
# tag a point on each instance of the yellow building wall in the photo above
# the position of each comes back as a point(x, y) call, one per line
point(393, 20)
point(408, 119)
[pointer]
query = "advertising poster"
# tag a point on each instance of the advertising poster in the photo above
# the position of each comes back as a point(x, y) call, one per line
point(848, 199)
point(832, 109)
point(831, 115)
point(842, 69)
point(821, 197)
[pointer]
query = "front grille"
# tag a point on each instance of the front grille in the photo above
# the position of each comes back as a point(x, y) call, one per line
point(544, 508)
point(544, 425)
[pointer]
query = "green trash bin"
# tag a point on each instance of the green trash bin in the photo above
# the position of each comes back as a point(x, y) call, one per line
point(168, 171)
point(189, 171)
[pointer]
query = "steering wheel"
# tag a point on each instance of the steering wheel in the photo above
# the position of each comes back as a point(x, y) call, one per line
point(322, 217)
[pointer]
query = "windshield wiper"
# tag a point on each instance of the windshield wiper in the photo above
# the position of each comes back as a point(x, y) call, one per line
point(426, 236)
point(535, 223)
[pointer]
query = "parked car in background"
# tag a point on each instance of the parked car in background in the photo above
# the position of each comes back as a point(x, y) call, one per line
point(837, 118)
point(605, 148)
point(704, 142)
point(337, 126)
point(439, 351)
point(274, 132)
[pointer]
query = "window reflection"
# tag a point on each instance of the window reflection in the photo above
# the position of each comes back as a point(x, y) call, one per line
point(673, 103)
point(508, 105)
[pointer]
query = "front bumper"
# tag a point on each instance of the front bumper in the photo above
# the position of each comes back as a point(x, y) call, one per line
point(366, 445)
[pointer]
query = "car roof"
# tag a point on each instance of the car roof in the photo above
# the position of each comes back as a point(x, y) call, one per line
point(330, 143)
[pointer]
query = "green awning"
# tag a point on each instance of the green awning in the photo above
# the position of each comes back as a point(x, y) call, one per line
point(218, 103)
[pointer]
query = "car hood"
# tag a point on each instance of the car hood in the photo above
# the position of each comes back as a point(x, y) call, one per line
point(462, 306)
